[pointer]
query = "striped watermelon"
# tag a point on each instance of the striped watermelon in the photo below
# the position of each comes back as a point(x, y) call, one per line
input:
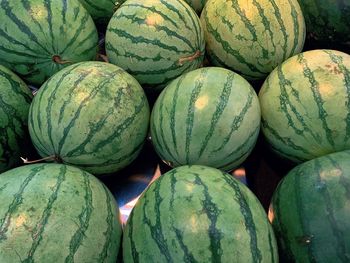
point(305, 105)
point(57, 213)
point(252, 37)
point(15, 99)
point(310, 211)
point(197, 5)
point(155, 40)
point(101, 10)
point(92, 115)
point(328, 22)
point(198, 214)
point(209, 116)
point(40, 37)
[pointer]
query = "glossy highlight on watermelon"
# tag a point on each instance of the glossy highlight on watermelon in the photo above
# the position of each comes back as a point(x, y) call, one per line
point(310, 211)
point(40, 37)
point(92, 115)
point(15, 99)
point(198, 214)
point(57, 213)
point(252, 37)
point(209, 116)
point(155, 40)
point(305, 105)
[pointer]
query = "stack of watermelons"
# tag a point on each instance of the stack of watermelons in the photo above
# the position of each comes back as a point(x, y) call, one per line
point(84, 83)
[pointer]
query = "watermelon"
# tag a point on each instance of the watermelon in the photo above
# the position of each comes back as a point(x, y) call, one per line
point(155, 40)
point(305, 105)
point(40, 37)
point(57, 213)
point(92, 115)
point(197, 5)
point(209, 116)
point(15, 99)
point(310, 211)
point(252, 37)
point(198, 214)
point(101, 10)
point(327, 22)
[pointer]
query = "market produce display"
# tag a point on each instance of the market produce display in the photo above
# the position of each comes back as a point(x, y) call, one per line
point(187, 215)
point(93, 90)
point(305, 105)
point(209, 116)
point(40, 37)
point(92, 115)
point(56, 213)
point(15, 99)
point(310, 211)
point(155, 41)
point(252, 37)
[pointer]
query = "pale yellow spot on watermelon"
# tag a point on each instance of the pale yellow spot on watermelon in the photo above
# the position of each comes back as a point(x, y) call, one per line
point(202, 102)
point(330, 174)
point(325, 89)
point(39, 12)
point(20, 220)
point(154, 19)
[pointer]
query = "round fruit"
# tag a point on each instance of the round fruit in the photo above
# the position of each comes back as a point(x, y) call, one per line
point(198, 214)
point(57, 213)
point(305, 105)
point(155, 40)
point(252, 37)
point(310, 211)
point(101, 10)
point(38, 37)
point(209, 116)
point(92, 115)
point(15, 99)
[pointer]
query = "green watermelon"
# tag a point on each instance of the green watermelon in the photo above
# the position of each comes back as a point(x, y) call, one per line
point(155, 40)
point(40, 37)
point(209, 116)
point(198, 214)
point(197, 5)
point(327, 22)
point(101, 10)
point(92, 115)
point(252, 37)
point(15, 99)
point(305, 105)
point(57, 213)
point(310, 211)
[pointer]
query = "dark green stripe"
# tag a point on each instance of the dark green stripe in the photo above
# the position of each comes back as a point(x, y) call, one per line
point(40, 226)
point(285, 103)
point(248, 217)
point(272, 247)
point(338, 60)
point(220, 108)
point(130, 234)
point(84, 220)
point(156, 230)
point(5, 5)
point(191, 110)
point(212, 212)
point(303, 222)
point(16, 202)
point(24, 57)
point(322, 113)
point(296, 26)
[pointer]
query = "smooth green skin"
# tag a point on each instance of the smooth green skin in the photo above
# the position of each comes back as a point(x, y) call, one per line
point(217, 126)
point(305, 105)
point(252, 37)
point(92, 115)
point(198, 214)
point(153, 40)
point(57, 213)
point(101, 10)
point(310, 211)
point(15, 99)
point(327, 20)
point(197, 5)
point(33, 31)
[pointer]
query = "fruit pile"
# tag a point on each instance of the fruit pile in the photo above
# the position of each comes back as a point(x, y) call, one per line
point(84, 83)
